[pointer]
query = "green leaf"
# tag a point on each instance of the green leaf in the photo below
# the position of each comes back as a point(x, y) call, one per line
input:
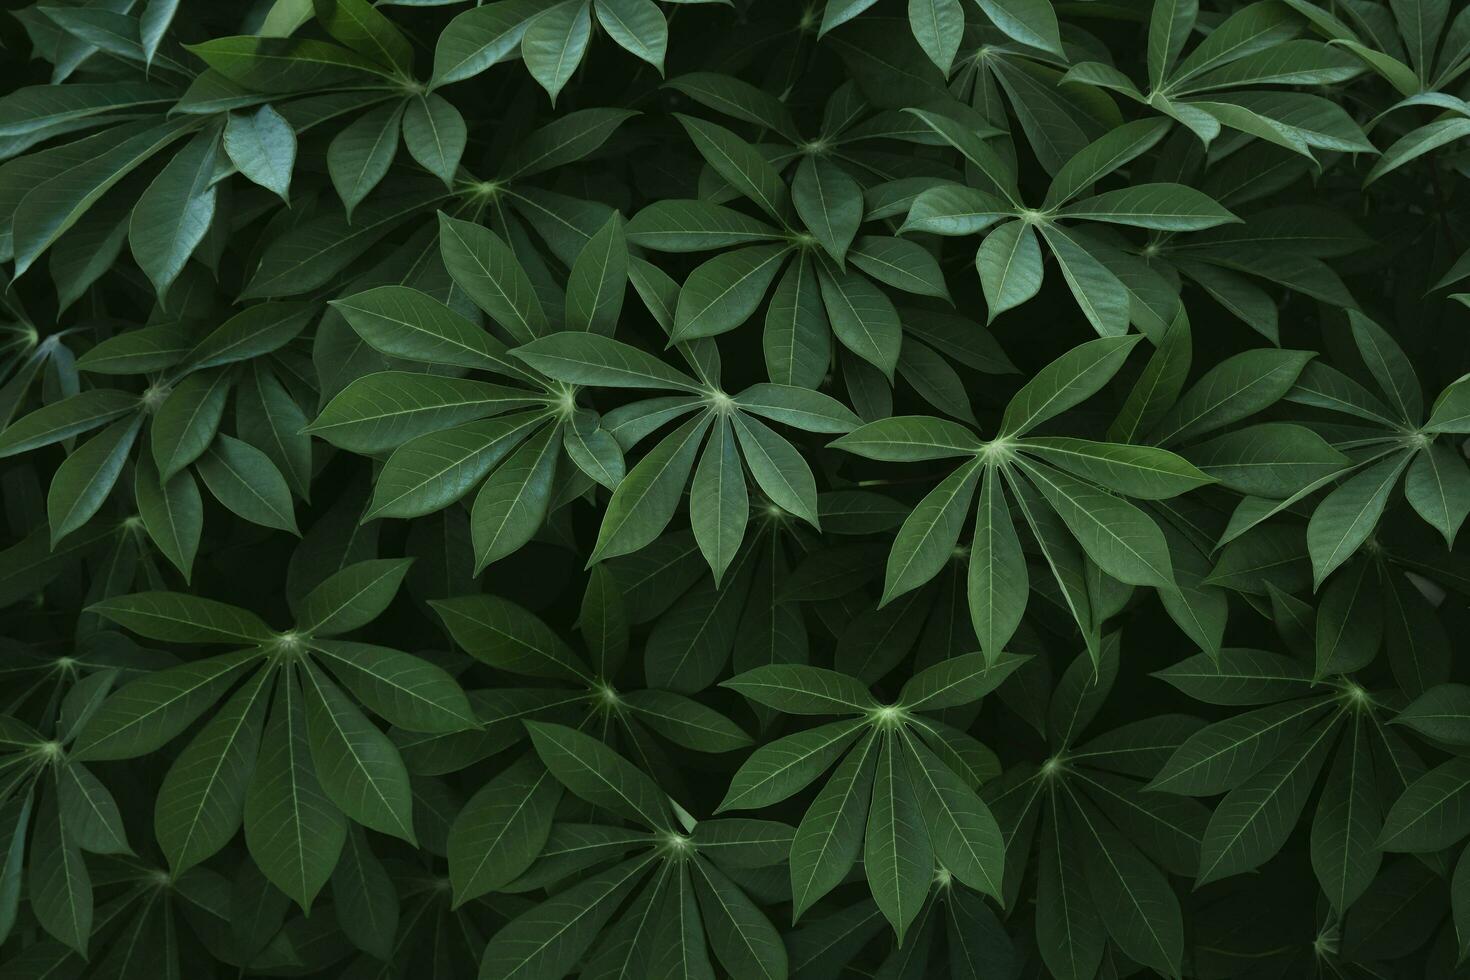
point(1349, 818)
point(60, 885)
point(1223, 755)
point(257, 330)
point(599, 775)
point(798, 407)
point(564, 140)
point(862, 317)
point(360, 155)
point(487, 270)
point(501, 830)
point(352, 597)
point(513, 503)
point(1234, 389)
point(407, 691)
point(1389, 367)
point(1133, 898)
point(645, 501)
point(1009, 263)
point(146, 713)
point(1253, 820)
point(1121, 539)
point(385, 410)
point(187, 421)
point(174, 213)
point(1168, 29)
point(201, 803)
point(718, 504)
point(926, 541)
point(245, 480)
point(1347, 516)
point(966, 839)
point(695, 226)
point(797, 340)
point(957, 681)
point(599, 277)
point(901, 264)
point(725, 291)
point(504, 635)
point(1349, 621)
point(359, 769)
point(364, 29)
point(1065, 382)
point(638, 26)
point(1451, 411)
point(52, 207)
point(481, 37)
point(685, 721)
point(176, 617)
point(740, 164)
point(829, 202)
point(601, 362)
point(938, 26)
point(1032, 22)
point(997, 582)
point(1433, 813)
point(1101, 294)
point(293, 831)
point(974, 149)
point(365, 897)
point(435, 134)
point(953, 209)
point(897, 855)
point(743, 938)
point(549, 939)
point(785, 766)
point(431, 472)
point(799, 689)
point(596, 453)
point(553, 44)
point(1068, 928)
point(779, 470)
point(1441, 713)
point(407, 323)
point(909, 439)
point(1165, 207)
point(69, 417)
point(88, 812)
point(172, 513)
point(1238, 676)
point(84, 480)
point(1134, 471)
point(1273, 459)
point(742, 100)
point(829, 839)
point(262, 146)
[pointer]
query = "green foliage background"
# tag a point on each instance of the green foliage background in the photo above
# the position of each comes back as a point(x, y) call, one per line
point(734, 488)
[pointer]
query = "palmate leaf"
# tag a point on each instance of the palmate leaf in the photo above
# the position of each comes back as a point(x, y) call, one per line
point(384, 591)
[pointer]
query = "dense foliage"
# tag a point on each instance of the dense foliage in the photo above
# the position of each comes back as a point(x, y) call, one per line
point(734, 488)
